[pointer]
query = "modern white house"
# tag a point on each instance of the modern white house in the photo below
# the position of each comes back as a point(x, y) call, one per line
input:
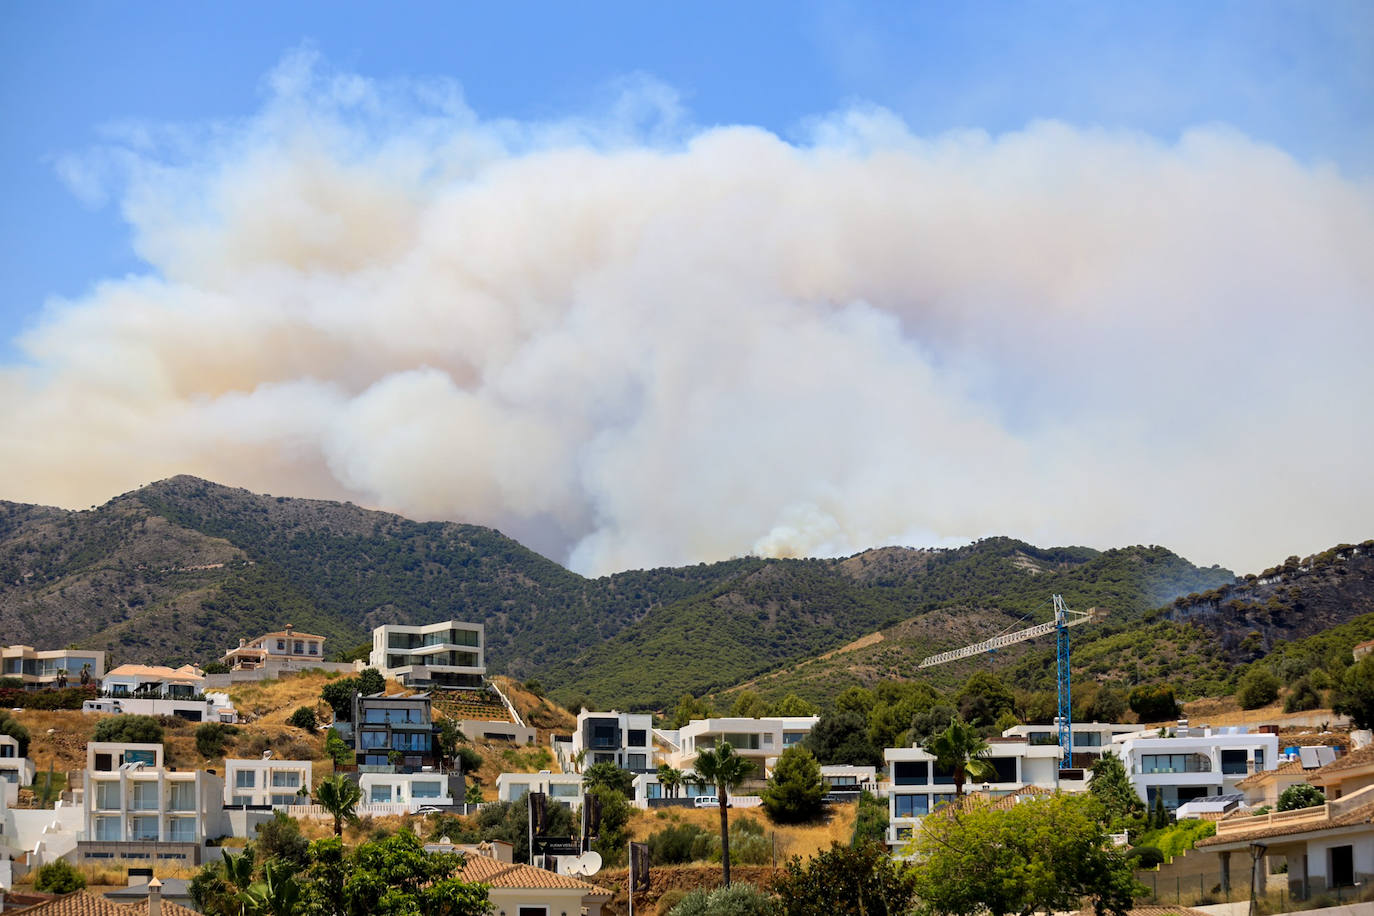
point(444, 655)
point(284, 649)
point(1193, 762)
point(205, 707)
point(414, 791)
point(917, 785)
point(46, 667)
point(622, 738)
point(844, 778)
point(15, 771)
point(266, 781)
point(1090, 739)
point(758, 740)
point(136, 808)
point(559, 787)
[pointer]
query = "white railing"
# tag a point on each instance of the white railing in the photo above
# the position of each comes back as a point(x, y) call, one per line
point(370, 809)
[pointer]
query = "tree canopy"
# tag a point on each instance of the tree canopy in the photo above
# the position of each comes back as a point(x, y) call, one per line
point(795, 789)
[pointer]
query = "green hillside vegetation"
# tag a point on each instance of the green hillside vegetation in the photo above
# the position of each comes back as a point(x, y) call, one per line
point(778, 618)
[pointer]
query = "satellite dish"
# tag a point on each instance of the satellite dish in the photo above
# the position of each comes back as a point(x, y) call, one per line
point(589, 863)
point(445, 840)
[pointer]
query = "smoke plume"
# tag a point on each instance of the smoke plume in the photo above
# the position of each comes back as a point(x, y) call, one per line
point(632, 341)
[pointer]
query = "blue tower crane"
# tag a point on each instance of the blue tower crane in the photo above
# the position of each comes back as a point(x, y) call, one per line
point(1064, 617)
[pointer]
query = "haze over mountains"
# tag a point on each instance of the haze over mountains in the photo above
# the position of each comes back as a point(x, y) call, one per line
point(180, 569)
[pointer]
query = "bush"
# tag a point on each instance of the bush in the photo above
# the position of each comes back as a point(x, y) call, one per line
point(303, 718)
point(215, 668)
point(1153, 702)
point(52, 698)
point(1178, 837)
point(469, 758)
point(281, 839)
point(673, 844)
point(1257, 688)
point(338, 749)
point(1302, 697)
point(1302, 795)
point(16, 730)
point(211, 738)
point(1146, 856)
point(370, 681)
point(671, 898)
point(129, 730)
point(795, 791)
point(58, 877)
point(736, 900)
point(339, 695)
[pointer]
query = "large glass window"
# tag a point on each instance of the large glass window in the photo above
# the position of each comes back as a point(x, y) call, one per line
point(743, 741)
point(286, 779)
point(637, 762)
point(1175, 763)
point(246, 779)
point(107, 829)
point(561, 790)
point(143, 796)
point(638, 738)
point(910, 773)
point(181, 829)
point(1233, 762)
point(147, 758)
point(791, 738)
point(107, 795)
point(381, 794)
point(284, 801)
point(910, 805)
point(181, 796)
point(425, 790)
point(143, 828)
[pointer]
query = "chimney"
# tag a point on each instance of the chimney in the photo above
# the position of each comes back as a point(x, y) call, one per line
point(154, 898)
point(289, 628)
point(243, 643)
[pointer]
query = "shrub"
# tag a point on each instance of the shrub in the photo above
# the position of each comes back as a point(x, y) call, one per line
point(1146, 856)
point(128, 729)
point(795, 790)
point(16, 730)
point(671, 898)
point(1257, 688)
point(471, 760)
point(337, 749)
point(281, 839)
point(673, 844)
point(58, 877)
point(370, 681)
point(215, 668)
point(1302, 795)
point(303, 717)
point(1302, 697)
point(211, 738)
point(738, 899)
point(1153, 702)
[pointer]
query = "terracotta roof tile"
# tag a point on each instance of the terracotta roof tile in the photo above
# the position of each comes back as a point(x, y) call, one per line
point(1361, 815)
point(1283, 769)
point(489, 871)
point(86, 903)
point(184, 673)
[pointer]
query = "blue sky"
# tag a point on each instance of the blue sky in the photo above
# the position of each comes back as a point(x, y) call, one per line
point(1299, 75)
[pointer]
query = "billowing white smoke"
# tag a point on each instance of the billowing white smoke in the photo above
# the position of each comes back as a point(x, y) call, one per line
point(637, 345)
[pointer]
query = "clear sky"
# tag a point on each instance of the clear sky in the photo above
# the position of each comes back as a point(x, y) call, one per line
point(650, 283)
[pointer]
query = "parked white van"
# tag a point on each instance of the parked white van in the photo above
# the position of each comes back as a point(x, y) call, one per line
point(706, 801)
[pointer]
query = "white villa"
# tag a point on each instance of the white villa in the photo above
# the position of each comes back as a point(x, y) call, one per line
point(622, 738)
point(1193, 763)
point(758, 740)
point(447, 654)
point(266, 781)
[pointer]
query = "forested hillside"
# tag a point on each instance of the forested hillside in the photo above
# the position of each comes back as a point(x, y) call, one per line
point(784, 614)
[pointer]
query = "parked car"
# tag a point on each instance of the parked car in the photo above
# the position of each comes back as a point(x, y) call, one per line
point(706, 801)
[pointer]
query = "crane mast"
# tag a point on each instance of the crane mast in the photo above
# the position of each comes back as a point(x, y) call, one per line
point(1064, 617)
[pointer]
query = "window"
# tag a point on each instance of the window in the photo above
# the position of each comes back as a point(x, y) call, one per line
point(767, 739)
point(7, 750)
point(147, 758)
point(181, 829)
point(298, 647)
point(909, 773)
point(791, 738)
point(107, 829)
point(242, 800)
point(1005, 768)
point(283, 801)
point(381, 794)
point(281, 645)
point(1342, 866)
point(533, 911)
point(1259, 759)
point(743, 741)
point(246, 779)
point(943, 799)
point(910, 805)
point(637, 761)
point(1175, 763)
point(144, 796)
point(181, 796)
point(143, 828)
point(107, 795)
point(425, 790)
point(638, 738)
point(903, 833)
point(603, 758)
point(1233, 762)
point(561, 790)
point(314, 648)
point(286, 779)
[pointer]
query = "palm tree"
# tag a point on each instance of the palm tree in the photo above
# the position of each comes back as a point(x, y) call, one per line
point(85, 674)
point(339, 796)
point(669, 778)
point(277, 894)
point(61, 677)
point(725, 769)
point(962, 751)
